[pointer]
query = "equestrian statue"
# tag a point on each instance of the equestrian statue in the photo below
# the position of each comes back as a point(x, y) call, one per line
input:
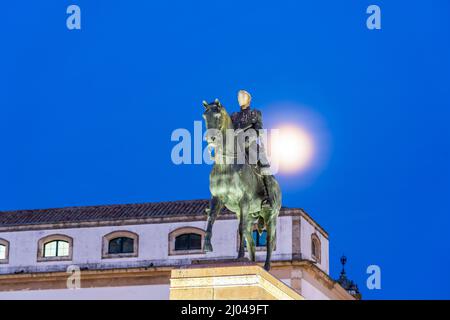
point(244, 187)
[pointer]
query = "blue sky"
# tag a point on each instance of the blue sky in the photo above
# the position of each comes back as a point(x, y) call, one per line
point(86, 116)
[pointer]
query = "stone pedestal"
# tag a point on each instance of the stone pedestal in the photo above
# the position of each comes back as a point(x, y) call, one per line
point(238, 281)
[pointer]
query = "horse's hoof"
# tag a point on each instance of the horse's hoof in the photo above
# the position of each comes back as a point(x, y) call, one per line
point(242, 259)
point(267, 267)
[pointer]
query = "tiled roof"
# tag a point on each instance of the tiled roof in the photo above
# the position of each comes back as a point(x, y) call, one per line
point(112, 214)
point(103, 213)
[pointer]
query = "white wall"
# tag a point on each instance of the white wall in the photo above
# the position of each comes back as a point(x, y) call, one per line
point(153, 245)
point(310, 292)
point(306, 230)
point(153, 248)
point(151, 292)
point(145, 292)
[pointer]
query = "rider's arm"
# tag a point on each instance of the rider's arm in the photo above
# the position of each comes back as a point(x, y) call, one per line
point(257, 120)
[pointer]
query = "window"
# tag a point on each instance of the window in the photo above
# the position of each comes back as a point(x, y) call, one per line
point(259, 240)
point(120, 244)
point(186, 240)
point(55, 247)
point(4, 251)
point(315, 247)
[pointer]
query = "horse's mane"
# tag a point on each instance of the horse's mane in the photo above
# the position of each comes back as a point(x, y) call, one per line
point(227, 123)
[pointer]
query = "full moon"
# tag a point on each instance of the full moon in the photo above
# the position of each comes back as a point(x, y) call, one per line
point(291, 148)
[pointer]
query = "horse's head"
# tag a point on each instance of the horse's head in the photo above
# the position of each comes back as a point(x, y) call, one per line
point(217, 120)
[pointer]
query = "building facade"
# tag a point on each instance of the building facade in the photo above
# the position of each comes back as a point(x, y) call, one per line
point(129, 251)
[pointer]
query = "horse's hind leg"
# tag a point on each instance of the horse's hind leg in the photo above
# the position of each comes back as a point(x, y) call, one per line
point(241, 253)
point(246, 230)
point(215, 206)
point(271, 229)
point(248, 234)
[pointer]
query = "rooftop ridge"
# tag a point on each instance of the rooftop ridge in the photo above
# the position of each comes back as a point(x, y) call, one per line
point(114, 205)
point(105, 205)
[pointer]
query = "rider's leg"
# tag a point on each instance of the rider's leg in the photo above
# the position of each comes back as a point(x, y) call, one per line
point(267, 202)
point(264, 165)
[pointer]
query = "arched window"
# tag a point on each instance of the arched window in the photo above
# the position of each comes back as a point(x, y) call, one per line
point(4, 251)
point(259, 240)
point(120, 244)
point(187, 240)
point(315, 248)
point(55, 248)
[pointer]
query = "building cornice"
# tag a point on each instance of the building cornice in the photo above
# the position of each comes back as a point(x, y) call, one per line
point(148, 220)
point(18, 280)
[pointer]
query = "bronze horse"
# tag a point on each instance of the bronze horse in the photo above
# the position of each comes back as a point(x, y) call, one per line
point(238, 187)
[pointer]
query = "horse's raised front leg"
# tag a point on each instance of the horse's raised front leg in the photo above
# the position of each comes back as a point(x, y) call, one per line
point(215, 206)
point(271, 229)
